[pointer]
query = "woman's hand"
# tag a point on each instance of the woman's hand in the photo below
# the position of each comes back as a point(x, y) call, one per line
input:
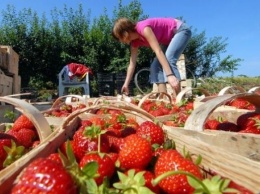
point(174, 82)
point(125, 89)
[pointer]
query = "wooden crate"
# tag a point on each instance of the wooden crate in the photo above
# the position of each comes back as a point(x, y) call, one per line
point(6, 85)
point(12, 60)
point(3, 58)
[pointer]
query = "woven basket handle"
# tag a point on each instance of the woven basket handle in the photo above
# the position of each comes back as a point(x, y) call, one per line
point(68, 98)
point(199, 116)
point(36, 117)
point(231, 90)
point(156, 96)
point(181, 95)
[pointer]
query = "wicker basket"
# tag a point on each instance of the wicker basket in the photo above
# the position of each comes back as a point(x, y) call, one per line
point(66, 131)
point(230, 154)
point(215, 159)
point(42, 126)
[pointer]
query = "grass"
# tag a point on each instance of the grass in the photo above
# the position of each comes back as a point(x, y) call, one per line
point(214, 85)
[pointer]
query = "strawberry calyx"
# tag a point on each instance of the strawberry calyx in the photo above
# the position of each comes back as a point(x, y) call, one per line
point(13, 153)
point(132, 182)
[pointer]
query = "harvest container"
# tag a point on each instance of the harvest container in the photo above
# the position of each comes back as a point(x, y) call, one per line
point(215, 160)
point(244, 144)
point(44, 131)
point(65, 132)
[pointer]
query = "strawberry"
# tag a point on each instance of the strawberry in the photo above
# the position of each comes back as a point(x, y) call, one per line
point(106, 166)
point(113, 156)
point(115, 143)
point(24, 136)
point(156, 111)
point(172, 160)
point(22, 122)
point(211, 124)
point(240, 103)
point(85, 139)
point(252, 125)
point(55, 157)
point(86, 123)
point(149, 176)
point(242, 120)
point(151, 131)
point(97, 121)
point(239, 188)
point(44, 176)
point(136, 152)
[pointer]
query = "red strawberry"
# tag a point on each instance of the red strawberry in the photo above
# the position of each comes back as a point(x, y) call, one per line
point(86, 123)
point(97, 121)
point(86, 139)
point(242, 120)
point(24, 136)
point(149, 176)
point(240, 103)
point(22, 122)
point(156, 111)
point(151, 131)
point(115, 143)
point(106, 166)
point(113, 156)
point(44, 176)
point(211, 124)
point(55, 157)
point(136, 152)
point(172, 160)
point(252, 125)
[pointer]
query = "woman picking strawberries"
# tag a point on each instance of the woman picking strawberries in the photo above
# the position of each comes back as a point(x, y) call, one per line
point(167, 37)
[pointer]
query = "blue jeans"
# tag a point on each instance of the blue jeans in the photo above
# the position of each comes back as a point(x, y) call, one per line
point(172, 52)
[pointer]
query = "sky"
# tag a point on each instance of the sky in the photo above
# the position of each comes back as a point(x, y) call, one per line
point(236, 20)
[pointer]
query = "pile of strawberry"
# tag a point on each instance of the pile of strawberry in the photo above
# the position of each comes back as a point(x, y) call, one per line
point(113, 153)
point(64, 110)
point(245, 123)
point(241, 103)
point(17, 140)
point(161, 108)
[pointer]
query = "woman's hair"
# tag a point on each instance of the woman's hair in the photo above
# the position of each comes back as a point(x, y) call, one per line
point(121, 26)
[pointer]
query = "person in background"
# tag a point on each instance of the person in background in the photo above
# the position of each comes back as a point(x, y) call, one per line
point(167, 37)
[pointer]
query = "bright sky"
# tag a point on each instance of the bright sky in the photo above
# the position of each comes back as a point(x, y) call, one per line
point(237, 20)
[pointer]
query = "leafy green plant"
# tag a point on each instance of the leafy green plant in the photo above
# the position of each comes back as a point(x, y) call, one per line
point(10, 115)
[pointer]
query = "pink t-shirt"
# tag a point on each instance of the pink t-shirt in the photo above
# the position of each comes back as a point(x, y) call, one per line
point(163, 28)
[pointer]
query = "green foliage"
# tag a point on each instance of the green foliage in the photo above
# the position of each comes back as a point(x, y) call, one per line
point(204, 57)
point(71, 35)
point(214, 85)
point(10, 115)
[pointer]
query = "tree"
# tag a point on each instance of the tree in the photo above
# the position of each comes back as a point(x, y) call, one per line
point(45, 46)
point(204, 57)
